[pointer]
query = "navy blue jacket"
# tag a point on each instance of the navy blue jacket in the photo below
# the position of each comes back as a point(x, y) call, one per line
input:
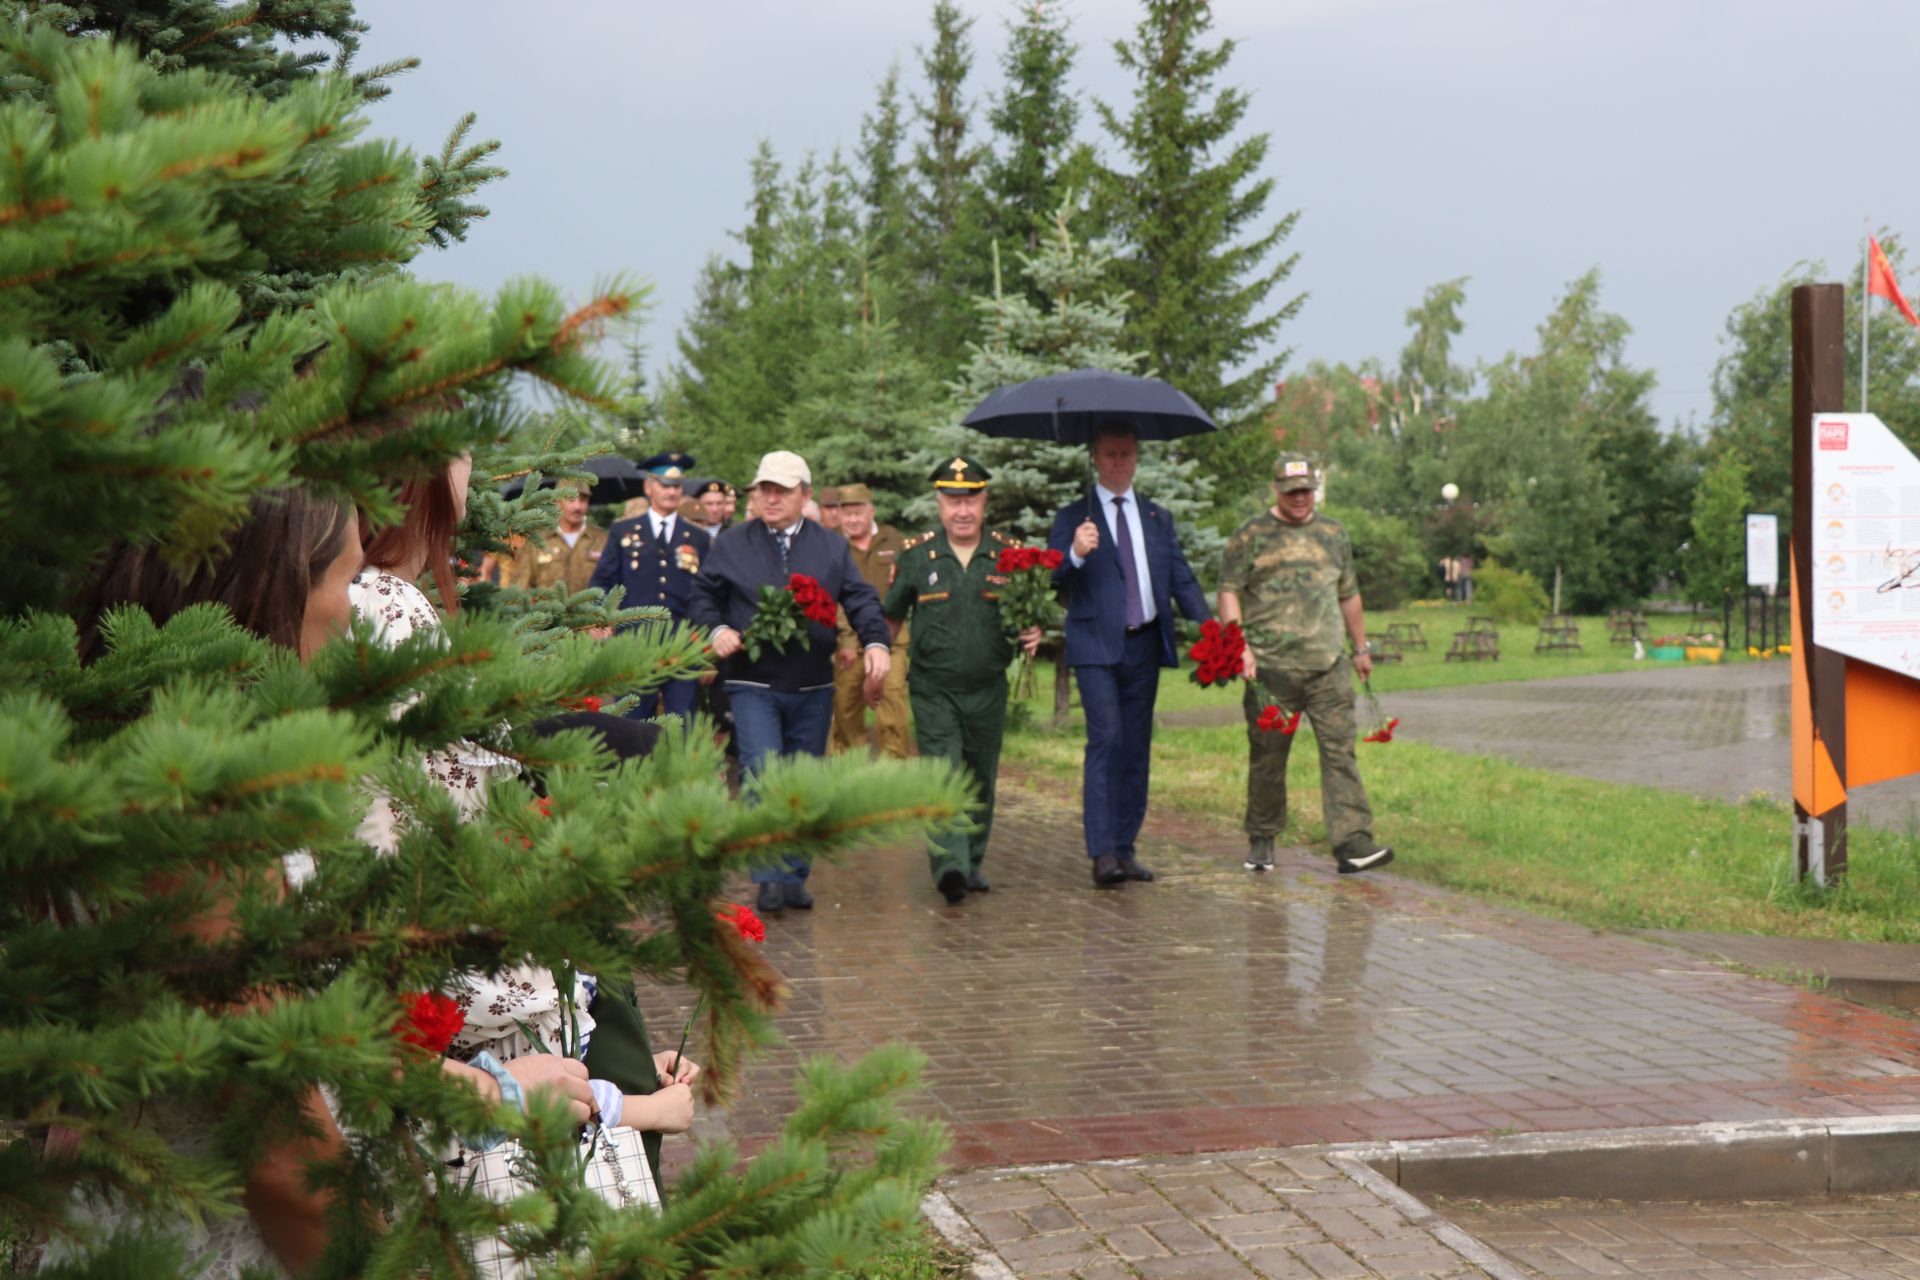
point(652, 574)
point(727, 593)
point(1096, 591)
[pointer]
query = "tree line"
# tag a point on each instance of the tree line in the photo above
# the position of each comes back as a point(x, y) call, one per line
point(971, 239)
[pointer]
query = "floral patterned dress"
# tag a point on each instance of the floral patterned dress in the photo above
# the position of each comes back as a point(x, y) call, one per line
point(518, 1010)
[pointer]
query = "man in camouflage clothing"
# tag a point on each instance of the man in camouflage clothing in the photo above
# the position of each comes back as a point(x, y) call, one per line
point(1287, 577)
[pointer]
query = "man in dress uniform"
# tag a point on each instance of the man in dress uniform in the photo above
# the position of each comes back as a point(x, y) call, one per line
point(654, 558)
point(1287, 574)
point(876, 550)
point(948, 586)
point(708, 499)
point(568, 554)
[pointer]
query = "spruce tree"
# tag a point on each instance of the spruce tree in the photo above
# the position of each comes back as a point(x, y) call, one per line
point(947, 220)
point(1195, 240)
point(883, 176)
point(150, 386)
point(1033, 118)
point(1081, 329)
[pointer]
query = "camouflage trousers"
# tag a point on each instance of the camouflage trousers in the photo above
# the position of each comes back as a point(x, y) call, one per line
point(1327, 698)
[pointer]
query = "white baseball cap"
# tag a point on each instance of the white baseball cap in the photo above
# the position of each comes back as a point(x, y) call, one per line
point(784, 468)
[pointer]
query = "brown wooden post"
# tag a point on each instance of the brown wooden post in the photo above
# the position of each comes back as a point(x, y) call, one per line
point(1819, 843)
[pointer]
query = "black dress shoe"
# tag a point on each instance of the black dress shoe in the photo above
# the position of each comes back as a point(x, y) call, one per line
point(953, 886)
point(1107, 873)
point(796, 896)
point(977, 883)
point(770, 899)
point(1132, 870)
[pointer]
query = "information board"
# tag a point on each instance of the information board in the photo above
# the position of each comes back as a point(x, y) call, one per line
point(1763, 551)
point(1866, 542)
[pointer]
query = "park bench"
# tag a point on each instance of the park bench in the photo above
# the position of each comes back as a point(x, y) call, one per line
point(1480, 642)
point(1559, 633)
point(1407, 635)
point(1624, 626)
point(1385, 646)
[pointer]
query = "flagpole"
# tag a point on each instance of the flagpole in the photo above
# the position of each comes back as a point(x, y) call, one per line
point(1866, 300)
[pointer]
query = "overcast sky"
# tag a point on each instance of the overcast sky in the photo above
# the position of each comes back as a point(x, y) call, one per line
point(1692, 150)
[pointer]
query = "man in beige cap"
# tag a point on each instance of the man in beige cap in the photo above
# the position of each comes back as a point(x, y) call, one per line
point(1288, 575)
point(783, 699)
point(876, 550)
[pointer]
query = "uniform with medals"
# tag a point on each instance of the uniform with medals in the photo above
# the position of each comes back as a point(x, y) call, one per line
point(653, 558)
point(540, 564)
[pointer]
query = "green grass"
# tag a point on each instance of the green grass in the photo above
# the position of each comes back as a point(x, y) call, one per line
point(1430, 669)
point(1598, 853)
point(926, 1257)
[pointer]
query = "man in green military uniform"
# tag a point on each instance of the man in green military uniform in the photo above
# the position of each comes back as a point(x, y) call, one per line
point(947, 585)
point(1287, 577)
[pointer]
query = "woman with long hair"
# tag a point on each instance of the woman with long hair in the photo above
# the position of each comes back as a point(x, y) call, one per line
point(284, 576)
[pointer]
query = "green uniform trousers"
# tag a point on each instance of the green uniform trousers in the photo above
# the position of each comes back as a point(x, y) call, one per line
point(965, 728)
point(1327, 698)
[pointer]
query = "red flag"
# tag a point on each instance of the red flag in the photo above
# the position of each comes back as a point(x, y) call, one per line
point(1880, 280)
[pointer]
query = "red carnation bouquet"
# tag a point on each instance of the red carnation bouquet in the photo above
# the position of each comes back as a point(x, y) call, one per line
point(1274, 720)
point(1219, 655)
point(1028, 600)
point(781, 619)
point(1387, 724)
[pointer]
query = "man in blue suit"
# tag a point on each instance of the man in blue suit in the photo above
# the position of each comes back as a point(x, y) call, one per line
point(1124, 573)
point(654, 556)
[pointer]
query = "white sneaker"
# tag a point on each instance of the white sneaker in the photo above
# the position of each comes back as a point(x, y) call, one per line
point(1380, 857)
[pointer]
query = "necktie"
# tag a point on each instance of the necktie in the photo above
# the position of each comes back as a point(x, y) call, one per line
point(1129, 571)
point(781, 539)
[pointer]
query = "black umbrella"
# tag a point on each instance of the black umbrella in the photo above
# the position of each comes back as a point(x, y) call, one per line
point(615, 479)
point(1066, 407)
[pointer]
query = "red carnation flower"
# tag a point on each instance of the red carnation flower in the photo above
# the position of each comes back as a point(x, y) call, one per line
point(429, 1021)
point(812, 599)
point(742, 918)
point(1384, 733)
point(1220, 654)
point(1272, 720)
point(590, 702)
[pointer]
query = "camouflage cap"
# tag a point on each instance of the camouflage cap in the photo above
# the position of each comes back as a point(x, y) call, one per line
point(1293, 472)
point(960, 474)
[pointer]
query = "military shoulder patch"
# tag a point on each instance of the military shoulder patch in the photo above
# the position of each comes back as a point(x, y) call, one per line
point(915, 541)
point(1003, 539)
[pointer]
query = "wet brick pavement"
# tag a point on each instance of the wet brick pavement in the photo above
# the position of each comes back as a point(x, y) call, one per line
point(1291, 1216)
point(1216, 1011)
point(1085, 1046)
point(1866, 1238)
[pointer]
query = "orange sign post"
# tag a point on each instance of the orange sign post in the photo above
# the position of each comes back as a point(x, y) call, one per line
point(1855, 581)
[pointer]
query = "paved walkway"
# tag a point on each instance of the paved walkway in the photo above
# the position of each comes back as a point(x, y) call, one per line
point(1856, 1238)
point(1216, 1011)
point(1714, 730)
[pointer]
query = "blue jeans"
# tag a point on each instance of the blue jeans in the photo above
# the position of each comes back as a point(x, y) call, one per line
point(674, 698)
point(769, 722)
point(1118, 704)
